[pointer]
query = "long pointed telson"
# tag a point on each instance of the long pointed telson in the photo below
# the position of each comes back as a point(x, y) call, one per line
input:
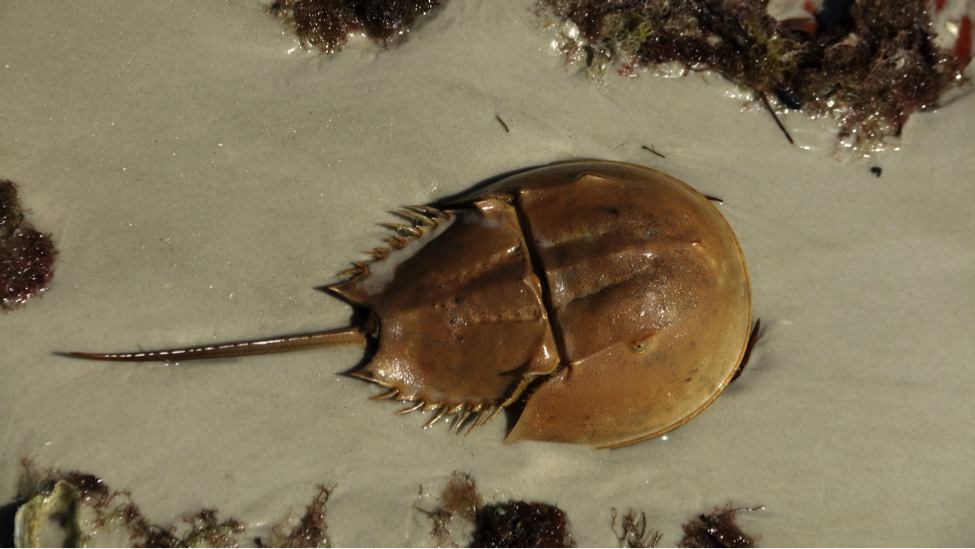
point(355, 336)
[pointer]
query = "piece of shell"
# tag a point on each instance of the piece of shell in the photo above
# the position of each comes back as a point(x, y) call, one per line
point(52, 520)
point(610, 300)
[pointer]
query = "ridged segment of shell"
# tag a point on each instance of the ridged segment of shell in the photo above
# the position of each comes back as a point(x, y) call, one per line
point(649, 298)
point(462, 323)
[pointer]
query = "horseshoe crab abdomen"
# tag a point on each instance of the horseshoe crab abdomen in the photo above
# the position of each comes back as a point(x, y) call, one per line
point(462, 321)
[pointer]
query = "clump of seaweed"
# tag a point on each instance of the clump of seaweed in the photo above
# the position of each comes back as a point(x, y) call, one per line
point(85, 503)
point(26, 255)
point(35, 481)
point(82, 504)
point(461, 497)
point(717, 530)
point(461, 500)
point(311, 531)
point(506, 524)
point(633, 531)
point(870, 71)
point(327, 24)
point(205, 530)
point(520, 524)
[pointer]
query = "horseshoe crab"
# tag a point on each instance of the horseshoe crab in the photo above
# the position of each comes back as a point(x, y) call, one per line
point(609, 300)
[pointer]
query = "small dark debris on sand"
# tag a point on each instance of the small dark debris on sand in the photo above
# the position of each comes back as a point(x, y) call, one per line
point(634, 532)
point(717, 530)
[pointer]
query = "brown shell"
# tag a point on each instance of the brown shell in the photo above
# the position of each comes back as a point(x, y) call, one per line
point(613, 298)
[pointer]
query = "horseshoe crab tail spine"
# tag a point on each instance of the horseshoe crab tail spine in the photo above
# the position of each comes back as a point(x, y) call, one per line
point(355, 336)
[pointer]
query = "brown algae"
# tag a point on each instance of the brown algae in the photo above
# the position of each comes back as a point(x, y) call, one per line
point(506, 524)
point(26, 255)
point(75, 509)
point(870, 71)
point(327, 24)
point(69, 509)
point(717, 530)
